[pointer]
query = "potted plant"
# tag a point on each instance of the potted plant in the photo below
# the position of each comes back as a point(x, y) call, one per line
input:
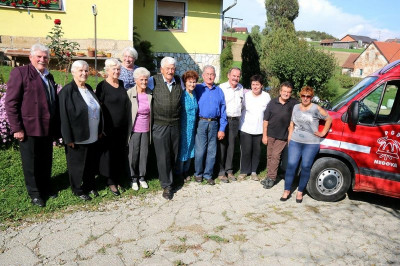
point(91, 52)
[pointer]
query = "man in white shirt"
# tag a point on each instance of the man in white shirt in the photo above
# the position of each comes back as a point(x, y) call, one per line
point(233, 92)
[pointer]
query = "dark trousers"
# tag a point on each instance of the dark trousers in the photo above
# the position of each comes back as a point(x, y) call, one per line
point(274, 151)
point(250, 152)
point(114, 155)
point(82, 162)
point(166, 145)
point(138, 151)
point(36, 157)
point(227, 147)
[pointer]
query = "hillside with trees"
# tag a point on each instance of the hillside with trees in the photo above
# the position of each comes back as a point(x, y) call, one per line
point(314, 35)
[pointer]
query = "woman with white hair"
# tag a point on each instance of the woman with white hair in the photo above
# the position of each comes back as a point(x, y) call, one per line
point(115, 105)
point(140, 97)
point(129, 56)
point(81, 126)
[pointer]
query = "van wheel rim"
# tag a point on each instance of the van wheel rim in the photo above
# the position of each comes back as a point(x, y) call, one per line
point(329, 181)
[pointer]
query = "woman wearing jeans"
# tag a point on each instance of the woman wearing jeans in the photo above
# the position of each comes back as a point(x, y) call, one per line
point(304, 139)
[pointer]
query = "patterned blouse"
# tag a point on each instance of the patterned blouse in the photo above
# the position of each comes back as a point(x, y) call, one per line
point(127, 77)
point(188, 126)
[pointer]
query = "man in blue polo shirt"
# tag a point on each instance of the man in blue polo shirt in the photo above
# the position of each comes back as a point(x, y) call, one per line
point(212, 123)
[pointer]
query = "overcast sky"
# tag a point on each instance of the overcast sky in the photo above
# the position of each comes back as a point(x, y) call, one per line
point(375, 19)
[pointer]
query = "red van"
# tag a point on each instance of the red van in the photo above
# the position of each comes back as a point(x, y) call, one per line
point(362, 148)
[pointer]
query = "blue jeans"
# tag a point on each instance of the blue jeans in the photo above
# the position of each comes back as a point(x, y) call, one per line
point(205, 148)
point(305, 152)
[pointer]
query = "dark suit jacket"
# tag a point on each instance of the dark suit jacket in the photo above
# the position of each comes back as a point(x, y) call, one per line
point(74, 114)
point(27, 105)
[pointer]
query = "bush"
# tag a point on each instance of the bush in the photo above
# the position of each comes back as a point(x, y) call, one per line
point(146, 57)
point(226, 61)
point(347, 81)
point(5, 130)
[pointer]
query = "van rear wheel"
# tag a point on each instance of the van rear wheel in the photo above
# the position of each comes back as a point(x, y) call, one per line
point(329, 180)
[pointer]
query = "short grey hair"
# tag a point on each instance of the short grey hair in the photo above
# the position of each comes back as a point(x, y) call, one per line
point(140, 72)
point(78, 64)
point(111, 62)
point(234, 68)
point(39, 47)
point(208, 66)
point(132, 52)
point(168, 61)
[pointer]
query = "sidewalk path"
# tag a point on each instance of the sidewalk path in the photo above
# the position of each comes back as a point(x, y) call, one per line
point(238, 223)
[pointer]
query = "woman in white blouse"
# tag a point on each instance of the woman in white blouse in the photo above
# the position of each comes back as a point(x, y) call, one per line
point(251, 127)
point(81, 126)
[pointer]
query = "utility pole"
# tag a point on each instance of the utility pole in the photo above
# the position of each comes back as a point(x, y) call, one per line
point(232, 19)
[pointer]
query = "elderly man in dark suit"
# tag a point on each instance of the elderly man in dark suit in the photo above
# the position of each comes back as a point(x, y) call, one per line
point(167, 93)
point(32, 110)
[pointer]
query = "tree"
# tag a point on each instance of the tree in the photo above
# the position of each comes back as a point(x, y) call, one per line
point(146, 57)
point(281, 13)
point(286, 58)
point(226, 61)
point(256, 38)
point(250, 62)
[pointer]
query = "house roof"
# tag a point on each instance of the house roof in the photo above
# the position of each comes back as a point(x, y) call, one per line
point(349, 63)
point(328, 41)
point(364, 39)
point(240, 29)
point(390, 50)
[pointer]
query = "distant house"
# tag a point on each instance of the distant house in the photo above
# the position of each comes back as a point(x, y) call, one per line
point(393, 40)
point(327, 42)
point(242, 30)
point(376, 56)
point(348, 65)
point(353, 41)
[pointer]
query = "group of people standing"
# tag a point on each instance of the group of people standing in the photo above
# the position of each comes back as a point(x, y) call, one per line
point(108, 131)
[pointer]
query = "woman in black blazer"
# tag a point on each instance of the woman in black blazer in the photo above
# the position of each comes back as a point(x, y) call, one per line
point(81, 127)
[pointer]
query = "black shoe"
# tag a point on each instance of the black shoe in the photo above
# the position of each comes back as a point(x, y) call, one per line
point(269, 183)
point(94, 193)
point(284, 199)
point(299, 200)
point(114, 190)
point(85, 197)
point(211, 182)
point(167, 193)
point(38, 202)
point(52, 194)
point(198, 179)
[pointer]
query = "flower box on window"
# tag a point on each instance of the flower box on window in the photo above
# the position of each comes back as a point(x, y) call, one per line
point(34, 4)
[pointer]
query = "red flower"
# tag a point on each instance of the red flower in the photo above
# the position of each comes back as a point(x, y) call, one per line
point(34, 3)
point(20, 2)
point(14, 4)
point(42, 2)
point(57, 21)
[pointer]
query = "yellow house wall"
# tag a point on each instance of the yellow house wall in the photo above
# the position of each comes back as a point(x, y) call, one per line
point(77, 20)
point(203, 28)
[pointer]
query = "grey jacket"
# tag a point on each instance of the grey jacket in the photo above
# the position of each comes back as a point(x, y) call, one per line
point(132, 95)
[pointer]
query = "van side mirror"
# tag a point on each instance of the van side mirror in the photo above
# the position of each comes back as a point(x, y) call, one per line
point(352, 114)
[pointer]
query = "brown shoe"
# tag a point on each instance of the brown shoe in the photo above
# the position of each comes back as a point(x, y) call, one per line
point(167, 193)
point(231, 177)
point(223, 179)
point(188, 179)
point(254, 177)
point(242, 176)
point(211, 182)
point(198, 179)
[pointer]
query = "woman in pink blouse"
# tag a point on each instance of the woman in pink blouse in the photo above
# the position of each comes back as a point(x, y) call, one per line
point(140, 97)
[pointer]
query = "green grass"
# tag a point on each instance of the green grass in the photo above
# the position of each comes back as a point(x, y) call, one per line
point(15, 202)
point(240, 36)
point(58, 76)
point(318, 46)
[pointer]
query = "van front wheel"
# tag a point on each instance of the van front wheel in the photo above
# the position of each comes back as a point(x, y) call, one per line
point(329, 180)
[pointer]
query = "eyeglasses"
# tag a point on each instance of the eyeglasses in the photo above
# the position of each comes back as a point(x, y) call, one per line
point(306, 96)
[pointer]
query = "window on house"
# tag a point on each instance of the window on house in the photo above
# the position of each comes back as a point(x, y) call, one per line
point(32, 4)
point(170, 15)
point(361, 71)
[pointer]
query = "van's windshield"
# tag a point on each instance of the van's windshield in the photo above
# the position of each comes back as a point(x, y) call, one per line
point(346, 97)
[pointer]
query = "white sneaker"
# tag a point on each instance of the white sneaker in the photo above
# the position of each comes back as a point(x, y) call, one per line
point(135, 186)
point(143, 184)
